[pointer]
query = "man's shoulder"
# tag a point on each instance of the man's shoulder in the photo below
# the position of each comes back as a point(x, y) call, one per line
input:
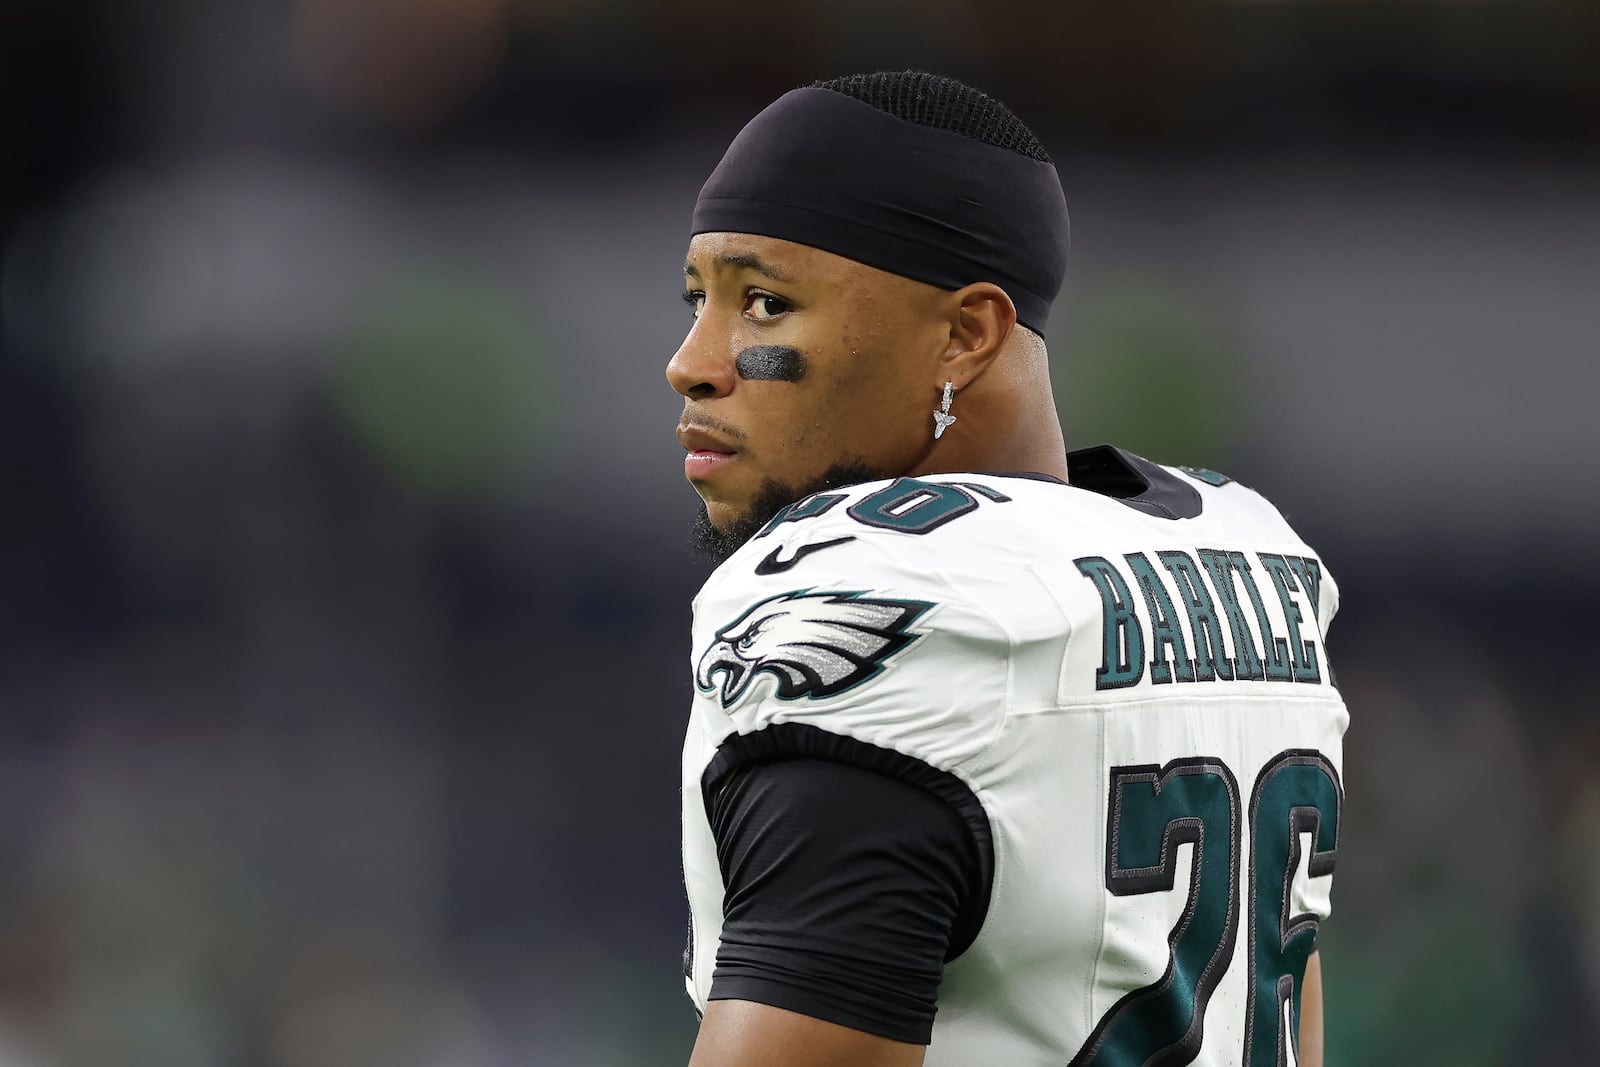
point(838, 614)
point(941, 540)
point(878, 563)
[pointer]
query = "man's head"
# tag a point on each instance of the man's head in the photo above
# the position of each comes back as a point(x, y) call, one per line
point(863, 242)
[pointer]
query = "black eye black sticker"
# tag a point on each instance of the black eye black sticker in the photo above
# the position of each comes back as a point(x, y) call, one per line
point(771, 363)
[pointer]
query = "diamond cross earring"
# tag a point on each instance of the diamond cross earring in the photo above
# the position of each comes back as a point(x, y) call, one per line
point(942, 418)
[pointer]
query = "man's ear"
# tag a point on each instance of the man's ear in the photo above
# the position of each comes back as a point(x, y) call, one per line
point(981, 319)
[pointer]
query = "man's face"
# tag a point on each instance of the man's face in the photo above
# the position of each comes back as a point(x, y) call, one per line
point(799, 364)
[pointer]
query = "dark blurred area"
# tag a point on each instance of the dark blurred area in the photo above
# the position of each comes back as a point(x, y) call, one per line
point(344, 641)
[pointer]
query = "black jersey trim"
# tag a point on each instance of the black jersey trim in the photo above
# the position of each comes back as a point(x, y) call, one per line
point(792, 740)
point(1135, 481)
point(1119, 474)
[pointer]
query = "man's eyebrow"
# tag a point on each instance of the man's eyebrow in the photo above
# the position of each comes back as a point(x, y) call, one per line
point(748, 261)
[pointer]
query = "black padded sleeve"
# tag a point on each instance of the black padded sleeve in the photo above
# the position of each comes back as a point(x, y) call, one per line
point(847, 889)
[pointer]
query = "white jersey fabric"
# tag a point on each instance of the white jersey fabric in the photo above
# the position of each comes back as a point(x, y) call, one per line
point(1136, 689)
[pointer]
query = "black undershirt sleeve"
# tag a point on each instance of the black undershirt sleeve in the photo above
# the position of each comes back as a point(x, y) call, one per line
point(847, 889)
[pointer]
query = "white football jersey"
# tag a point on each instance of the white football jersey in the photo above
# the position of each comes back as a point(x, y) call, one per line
point(1130, 678)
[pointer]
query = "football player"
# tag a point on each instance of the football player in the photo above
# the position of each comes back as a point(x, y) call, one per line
point(1000, 755)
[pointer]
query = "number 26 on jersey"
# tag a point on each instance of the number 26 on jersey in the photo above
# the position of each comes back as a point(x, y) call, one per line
point(1152, 810)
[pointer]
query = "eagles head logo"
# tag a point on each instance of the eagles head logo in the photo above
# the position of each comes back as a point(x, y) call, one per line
point(813, 644)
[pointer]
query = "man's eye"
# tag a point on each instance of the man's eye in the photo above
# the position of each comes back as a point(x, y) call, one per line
point(696, 301)
point(761, 306)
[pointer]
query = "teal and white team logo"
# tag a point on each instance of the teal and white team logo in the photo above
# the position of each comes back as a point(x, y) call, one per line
point(815, 644)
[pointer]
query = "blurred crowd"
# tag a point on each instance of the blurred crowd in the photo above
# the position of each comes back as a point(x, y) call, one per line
point(343, 650)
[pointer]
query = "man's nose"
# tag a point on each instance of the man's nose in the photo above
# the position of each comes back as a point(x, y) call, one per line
point(702, 368)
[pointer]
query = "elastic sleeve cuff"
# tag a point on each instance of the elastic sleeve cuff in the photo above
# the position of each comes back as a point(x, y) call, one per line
point(777, 994)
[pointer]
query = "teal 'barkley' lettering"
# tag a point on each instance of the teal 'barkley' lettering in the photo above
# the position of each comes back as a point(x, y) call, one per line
point(1303, 652)
point(1166, 633)
point(1212, 584)
point(1122, 661)
point(1221, 565)
point(1210, 655)
point(1309, 571)
point(809, 508)
point(1274, 649)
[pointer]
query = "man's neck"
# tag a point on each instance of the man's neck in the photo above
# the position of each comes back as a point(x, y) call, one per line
point(1033, 444)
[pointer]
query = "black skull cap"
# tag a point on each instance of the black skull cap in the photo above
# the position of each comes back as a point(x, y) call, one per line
point(820, 168)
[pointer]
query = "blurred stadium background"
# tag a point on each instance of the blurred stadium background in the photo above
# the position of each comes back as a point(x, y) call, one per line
point(343, 608)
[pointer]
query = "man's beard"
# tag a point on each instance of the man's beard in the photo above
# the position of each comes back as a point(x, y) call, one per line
point(710, 543)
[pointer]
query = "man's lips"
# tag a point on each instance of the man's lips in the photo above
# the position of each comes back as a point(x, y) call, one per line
point(707, 451)
point(698, 439)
